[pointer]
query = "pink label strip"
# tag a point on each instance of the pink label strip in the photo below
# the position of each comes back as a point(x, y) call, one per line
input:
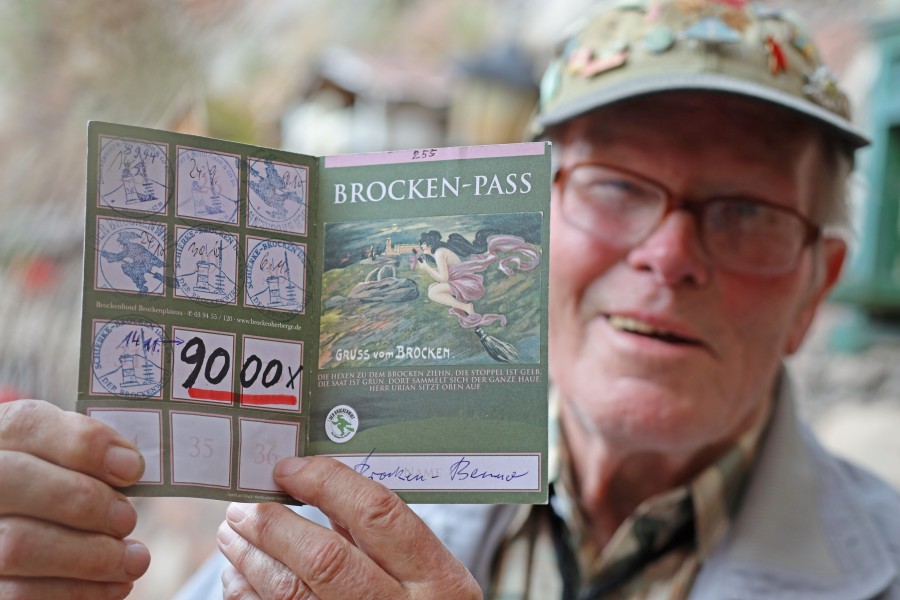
point(435, 154)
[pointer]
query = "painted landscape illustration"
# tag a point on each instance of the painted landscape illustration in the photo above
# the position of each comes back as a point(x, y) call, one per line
point(448, 290)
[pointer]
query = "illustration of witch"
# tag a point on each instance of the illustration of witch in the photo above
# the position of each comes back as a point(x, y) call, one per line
point(459, 283)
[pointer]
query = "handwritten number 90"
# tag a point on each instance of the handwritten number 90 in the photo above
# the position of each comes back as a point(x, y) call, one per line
point(194, 353)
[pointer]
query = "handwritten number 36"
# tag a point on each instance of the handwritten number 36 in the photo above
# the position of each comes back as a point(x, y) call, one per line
point(194, 353)
point(266, 454)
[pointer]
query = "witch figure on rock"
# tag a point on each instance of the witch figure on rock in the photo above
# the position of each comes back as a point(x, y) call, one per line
point(459, 283)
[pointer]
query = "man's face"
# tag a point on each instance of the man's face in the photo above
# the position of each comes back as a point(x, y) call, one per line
point(620, 317)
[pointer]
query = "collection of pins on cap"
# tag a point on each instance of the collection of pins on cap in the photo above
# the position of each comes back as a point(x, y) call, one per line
point(718, 22)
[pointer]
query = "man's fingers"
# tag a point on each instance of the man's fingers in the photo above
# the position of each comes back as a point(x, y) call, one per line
point(380, 524)
point(69, 440)
point(256, 575)
point(61, 589)
point(337, 528)
point(33, 487)
point(321, 559)
point(235, 587)
point(33, 548)
point(382, 548)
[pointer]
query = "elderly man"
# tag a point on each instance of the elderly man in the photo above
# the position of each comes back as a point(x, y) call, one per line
point(702, 153)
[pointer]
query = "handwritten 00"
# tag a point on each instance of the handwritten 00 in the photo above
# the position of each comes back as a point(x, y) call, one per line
point(216, 366)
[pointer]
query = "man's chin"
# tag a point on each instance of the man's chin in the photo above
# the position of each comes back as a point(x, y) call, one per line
point(636, 411)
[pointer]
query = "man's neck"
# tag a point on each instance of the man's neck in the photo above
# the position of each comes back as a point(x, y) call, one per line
point(611, 482)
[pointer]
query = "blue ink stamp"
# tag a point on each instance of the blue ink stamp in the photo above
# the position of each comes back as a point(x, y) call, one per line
point(130, 256)
point(275, 275)
point(133, 175)
point(207, 185)
point(206, 265)
point(277, 196)
point(126, 358)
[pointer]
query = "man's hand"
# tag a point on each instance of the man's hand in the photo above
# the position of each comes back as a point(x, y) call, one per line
point(62, 527)
point(379, 548)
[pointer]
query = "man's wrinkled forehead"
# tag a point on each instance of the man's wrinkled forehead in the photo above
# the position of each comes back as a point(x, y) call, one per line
point(688, 116)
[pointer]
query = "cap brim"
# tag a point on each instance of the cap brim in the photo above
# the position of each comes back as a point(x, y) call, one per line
point(713, 82)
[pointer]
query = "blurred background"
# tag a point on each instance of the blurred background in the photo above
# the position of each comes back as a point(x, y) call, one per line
point(337, 76)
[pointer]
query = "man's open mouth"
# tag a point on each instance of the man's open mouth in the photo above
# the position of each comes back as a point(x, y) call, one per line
point(637, 327)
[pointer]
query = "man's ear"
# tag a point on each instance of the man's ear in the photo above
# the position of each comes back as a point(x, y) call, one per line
point(832, 251)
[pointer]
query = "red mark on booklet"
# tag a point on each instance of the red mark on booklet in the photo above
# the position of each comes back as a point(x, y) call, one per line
point(252, 399)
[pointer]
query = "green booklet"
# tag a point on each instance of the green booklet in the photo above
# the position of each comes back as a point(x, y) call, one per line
point(245, 304)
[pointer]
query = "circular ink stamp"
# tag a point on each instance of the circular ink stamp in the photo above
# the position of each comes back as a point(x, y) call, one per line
point(277, 196)
point(130, 256)
point(206, 184)
point(126, 358)
point(275, 275)
point(132, 175)
point(341, 424)
point(206, 265)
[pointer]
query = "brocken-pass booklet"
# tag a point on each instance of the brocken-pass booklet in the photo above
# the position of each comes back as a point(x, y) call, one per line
point(245, 304)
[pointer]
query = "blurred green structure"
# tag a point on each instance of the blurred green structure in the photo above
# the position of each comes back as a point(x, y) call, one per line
point(872, 281)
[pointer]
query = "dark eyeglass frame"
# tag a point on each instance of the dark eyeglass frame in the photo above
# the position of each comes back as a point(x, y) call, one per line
point(811, 232)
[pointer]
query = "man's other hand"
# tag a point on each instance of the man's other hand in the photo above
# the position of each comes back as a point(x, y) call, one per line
point(63, 527)
point(379, 548)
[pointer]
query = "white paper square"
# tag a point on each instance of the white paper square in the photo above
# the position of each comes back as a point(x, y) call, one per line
point(215, 377)
point(207, 185)
point(263, 444)
point(126, 359)
point(201, 449)
point(271, 375)
point(275, 275)
point(143, 428)
point(206, 265)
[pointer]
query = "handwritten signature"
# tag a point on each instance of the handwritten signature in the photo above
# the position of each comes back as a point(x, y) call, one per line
point(460, 470)
point(399, 473)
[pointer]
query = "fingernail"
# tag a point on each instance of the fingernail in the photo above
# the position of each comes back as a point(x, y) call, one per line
point(124, 463)
point(237, 512)
point(290, 466)
point(228, 576)
point(225, 534)
point(137, 559)
point(118, 591)
point(122, 517)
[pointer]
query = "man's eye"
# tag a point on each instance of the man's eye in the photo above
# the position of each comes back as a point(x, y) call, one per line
point(745, 215)
point(746, 209)
point(614, 188)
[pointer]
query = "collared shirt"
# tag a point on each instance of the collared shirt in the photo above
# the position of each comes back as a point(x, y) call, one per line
point(654, 554)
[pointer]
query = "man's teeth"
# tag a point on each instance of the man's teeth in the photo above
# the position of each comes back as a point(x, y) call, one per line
point(641, 328)
point(635, 326)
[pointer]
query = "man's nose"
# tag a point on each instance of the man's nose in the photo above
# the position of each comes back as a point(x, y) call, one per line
point(673, 252)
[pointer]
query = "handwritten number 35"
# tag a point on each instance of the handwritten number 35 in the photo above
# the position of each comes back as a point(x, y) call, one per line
point(197, 450)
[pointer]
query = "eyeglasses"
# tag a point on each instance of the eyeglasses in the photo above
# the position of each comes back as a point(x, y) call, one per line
point(738, 234)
